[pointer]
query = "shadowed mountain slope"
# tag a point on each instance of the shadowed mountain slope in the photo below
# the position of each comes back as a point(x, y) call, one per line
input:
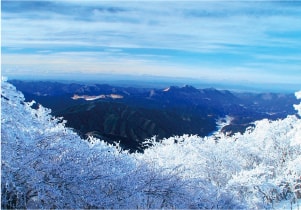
point(130, 115)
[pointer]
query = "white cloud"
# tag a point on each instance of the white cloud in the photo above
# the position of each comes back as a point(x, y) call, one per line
point(251, 29)
point(171, 28)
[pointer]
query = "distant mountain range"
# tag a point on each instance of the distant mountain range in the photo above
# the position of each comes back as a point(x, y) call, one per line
point(130, 115)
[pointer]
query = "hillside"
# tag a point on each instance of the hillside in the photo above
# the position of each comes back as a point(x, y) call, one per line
point(46, 165)
point(130, 115)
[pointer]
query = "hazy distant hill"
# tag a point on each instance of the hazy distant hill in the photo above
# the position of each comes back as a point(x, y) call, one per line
point(130, 115)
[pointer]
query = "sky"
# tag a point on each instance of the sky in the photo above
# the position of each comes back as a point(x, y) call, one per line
point(223, 41)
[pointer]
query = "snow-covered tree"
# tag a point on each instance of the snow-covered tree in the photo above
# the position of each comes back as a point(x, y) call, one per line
point(46, 165)
point(256, 169)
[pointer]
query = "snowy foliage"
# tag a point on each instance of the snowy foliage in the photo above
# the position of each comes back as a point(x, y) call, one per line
point(298, 106)
point(46, 165)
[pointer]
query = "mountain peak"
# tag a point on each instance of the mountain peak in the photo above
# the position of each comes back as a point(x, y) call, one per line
point(189, 88)
point(185, 88)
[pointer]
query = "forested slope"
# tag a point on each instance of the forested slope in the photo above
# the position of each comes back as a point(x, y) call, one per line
point(46, 165)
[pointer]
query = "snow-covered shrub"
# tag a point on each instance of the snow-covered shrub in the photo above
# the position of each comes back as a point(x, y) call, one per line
point(46, 165)
point(256, 169)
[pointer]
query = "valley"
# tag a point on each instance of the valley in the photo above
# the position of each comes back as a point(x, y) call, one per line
point(130, 115)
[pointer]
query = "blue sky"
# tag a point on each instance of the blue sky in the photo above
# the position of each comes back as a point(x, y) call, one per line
point(223, 41)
